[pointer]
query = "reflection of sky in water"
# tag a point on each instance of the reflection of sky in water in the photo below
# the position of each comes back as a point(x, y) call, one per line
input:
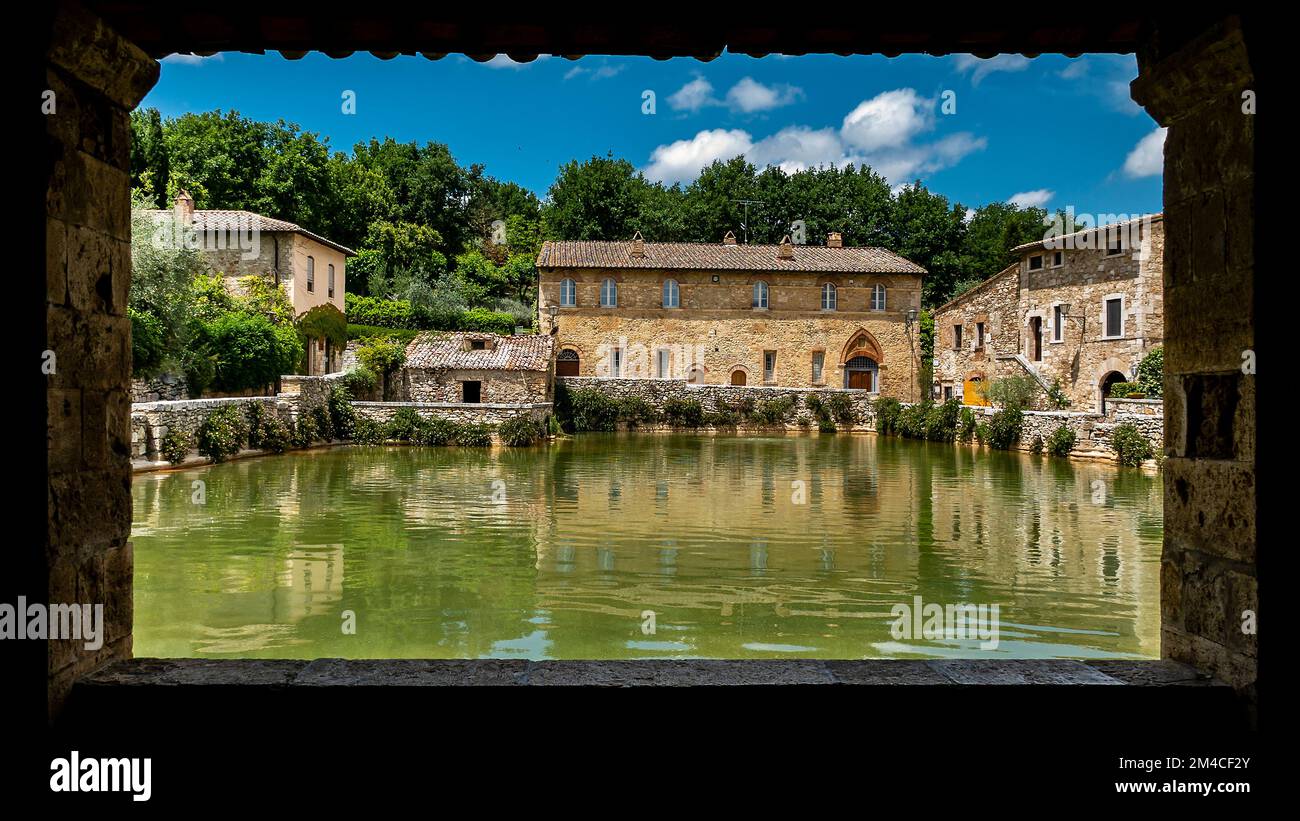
point(592, 532)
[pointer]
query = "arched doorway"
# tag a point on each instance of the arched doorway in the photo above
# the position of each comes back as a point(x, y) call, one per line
point(696, 375)
point(738, 377)
point(861, 373)
point(973, 390)
point(1109, 379)
point(567, 363)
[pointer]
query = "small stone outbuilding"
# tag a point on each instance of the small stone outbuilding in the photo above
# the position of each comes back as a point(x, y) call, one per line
point(478, 368)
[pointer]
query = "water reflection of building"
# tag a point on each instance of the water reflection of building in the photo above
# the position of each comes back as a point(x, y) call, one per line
point(311, 583)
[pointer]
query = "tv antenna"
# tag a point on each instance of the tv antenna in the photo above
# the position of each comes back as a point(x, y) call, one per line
point(745, 225)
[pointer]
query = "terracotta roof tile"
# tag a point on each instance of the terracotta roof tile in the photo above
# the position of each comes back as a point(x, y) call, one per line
point(221, 220)
point(504, 353)
point(703, 256)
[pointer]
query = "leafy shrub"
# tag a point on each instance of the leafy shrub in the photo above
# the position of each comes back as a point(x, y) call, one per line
point(222, 433)
point(841, 409)
point(251, 351)
point(305, 432)
point(255, 416)
point(484, 321)
point(982, 432)
point(1056, 395)
point(324, 322)
point(966, 431)
point(404, 425)
point(274, 435)
point(1131, 447)
point(174, 447)
point(1061, 441)
point(360, 381)
point(200, 371)
point(591, 410)
point(636, 411)
point(816, 407)
point(343, 417)
point(1123, 389)
point(399, 314)
point(1151, 373)
point(1036, 446)
point(521, 431)
point(474, 435)
point(368, 432)
point(684, 413)
point(941, 421)
point(722, 418)
point(148, 342)
point(774, 411)
point(911, 421)
point(1013, 392)
point(382, 355)
point(434, 432)
point(888, 410)
point(323, 422)
point(1004, 428)
point(826, 426)
point(383, 313)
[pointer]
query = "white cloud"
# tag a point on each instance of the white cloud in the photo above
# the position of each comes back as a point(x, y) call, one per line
point(1147, 159)
point(980, 68)
point(193, 59)
point(682, 160)
point(504, 61)
point(1032, 199)
point(749, 96)
point(880, 132)
point(888, 120)
point(1106, 77)
point(602, 73)
point(693, 96)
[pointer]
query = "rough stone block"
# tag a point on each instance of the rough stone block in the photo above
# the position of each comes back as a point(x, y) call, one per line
point(1210, 507)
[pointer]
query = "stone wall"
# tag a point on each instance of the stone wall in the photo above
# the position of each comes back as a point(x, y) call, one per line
point(486, 413)
point(717, 328)
point(499, 387)
point(165, 387)
point(1092, 431)
point(152, 421)
point(715, 398)
point(96, 78)
point(1198, 87)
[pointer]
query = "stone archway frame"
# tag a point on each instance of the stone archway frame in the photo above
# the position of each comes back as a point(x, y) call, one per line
point(1111, 364)
point(871, 349)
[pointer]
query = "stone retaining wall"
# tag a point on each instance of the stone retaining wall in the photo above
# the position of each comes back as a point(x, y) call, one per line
point(1092, 431)
point(165, 387)
point(715, 398)
point(486, 413)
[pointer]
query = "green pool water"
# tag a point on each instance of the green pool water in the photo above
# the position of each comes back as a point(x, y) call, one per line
point(646, 546)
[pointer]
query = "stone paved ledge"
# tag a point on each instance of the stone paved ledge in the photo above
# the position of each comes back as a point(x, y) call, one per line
point(327, 673)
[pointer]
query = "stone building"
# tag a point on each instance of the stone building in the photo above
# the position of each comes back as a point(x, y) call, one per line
point(478, 368)
point(310, 268)
point(780, 315)
point(1078, 311)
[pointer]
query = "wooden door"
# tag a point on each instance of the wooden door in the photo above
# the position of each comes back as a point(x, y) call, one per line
point(860, 379)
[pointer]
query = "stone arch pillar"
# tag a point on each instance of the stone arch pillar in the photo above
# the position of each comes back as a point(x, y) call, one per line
point(1198, 85)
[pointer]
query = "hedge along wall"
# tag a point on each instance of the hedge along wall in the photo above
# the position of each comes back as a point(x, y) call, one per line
point(1092, 431)
point(718, 398)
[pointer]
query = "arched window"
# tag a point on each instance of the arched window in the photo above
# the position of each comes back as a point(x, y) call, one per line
point(568, 293)
point(829, 300)
point(609, 294)
point(760, 294)
point(311, 274)
point(672, 295)
point(566, 363)
point(878, 298)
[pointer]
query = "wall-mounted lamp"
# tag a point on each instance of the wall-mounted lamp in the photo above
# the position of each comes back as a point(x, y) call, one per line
point(910, 318)
point(552, 310)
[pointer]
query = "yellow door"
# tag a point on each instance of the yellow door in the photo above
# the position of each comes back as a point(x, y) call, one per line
point(972, 392)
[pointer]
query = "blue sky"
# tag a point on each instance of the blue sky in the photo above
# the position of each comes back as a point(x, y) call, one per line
point(1050, 131)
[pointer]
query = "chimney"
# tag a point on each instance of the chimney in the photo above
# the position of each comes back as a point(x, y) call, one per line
point(638, 245)
point(184, 208)
point(729, 239)
point(834, 240)
point(785, 250)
